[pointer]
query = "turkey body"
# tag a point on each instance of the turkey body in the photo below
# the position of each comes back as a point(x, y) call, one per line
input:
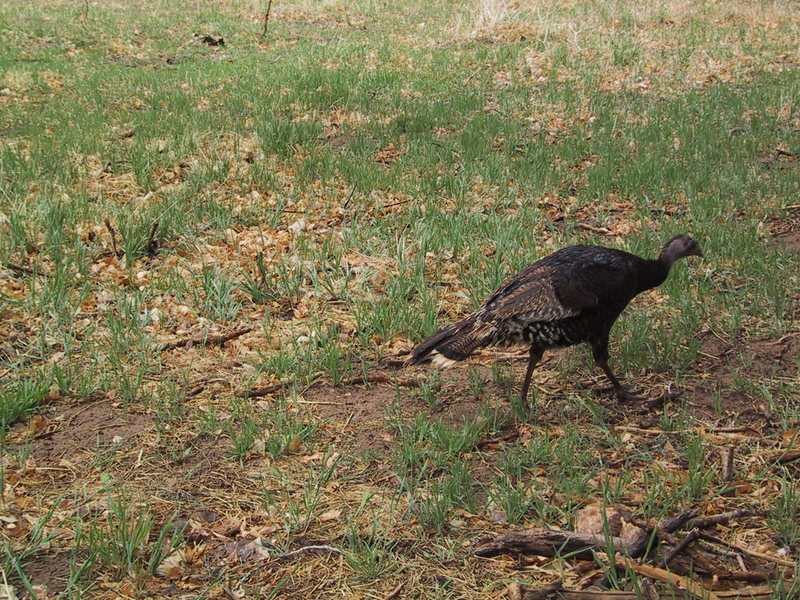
point(570, 297)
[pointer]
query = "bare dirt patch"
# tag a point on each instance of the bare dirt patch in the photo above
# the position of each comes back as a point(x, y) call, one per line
point(363, 410)
point(88, 425)
point(726, 365)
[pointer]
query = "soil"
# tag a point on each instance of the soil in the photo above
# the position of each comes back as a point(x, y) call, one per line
point(92, 424)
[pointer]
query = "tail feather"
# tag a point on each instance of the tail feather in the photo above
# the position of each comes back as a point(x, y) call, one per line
point(452, 343)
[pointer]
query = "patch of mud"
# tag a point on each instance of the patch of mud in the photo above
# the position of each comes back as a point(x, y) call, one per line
point(92, 425)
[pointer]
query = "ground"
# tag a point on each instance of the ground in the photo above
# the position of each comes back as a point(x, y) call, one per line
point(220, 237)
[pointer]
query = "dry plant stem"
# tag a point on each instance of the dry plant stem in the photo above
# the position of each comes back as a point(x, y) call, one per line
point(672, 579)
point(378, 378)
point(211, 340)
point(549, 542)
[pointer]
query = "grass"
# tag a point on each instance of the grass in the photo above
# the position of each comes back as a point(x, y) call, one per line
point(346, 184)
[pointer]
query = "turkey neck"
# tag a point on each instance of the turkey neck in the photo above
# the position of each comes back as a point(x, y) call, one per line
point(652, 273)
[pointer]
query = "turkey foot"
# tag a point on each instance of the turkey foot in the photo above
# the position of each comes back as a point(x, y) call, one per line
point(619, 390)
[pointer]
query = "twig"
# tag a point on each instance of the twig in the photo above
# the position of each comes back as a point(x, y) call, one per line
point(788, 456)
point(671, 525)
point(211, 340)
point(753, 553)
point(600, 230)
point(756, 593)
point(680, 547)
point(19, 269)
point(395, 592)
point(266, 19)
point(641, 546)
point(349, 197)
point(549, 542)
point(381, 378)
point(264, 391)
point(511, 435)
point(727, 463)
point(703, 522)
point(393, 204)
point(304, 549)
point(113, 233)
point(151, 248)
point(693, 587)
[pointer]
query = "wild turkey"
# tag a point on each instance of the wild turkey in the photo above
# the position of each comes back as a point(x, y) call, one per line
point(571, 296)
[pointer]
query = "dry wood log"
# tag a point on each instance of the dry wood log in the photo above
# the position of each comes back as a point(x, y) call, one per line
point(549, 542)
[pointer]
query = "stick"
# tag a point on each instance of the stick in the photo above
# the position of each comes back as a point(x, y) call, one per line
point(788, 456)
point(395, 592)
point(264, 391)
point(113, 233)
point(703, 522)
point(266, 19)
point(151, 248)
point(211, 340)
point(672, 579)
point(294, 553)
point(753, 553)
point(726, 457)
point(641, 546)
point(19, 269)
point(549, 542)
point(511, 435)
point(381, 378)
point(758, 593)
point(680, 547)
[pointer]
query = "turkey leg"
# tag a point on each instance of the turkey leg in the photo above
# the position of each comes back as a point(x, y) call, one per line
point(600, 353)
point(535, 357)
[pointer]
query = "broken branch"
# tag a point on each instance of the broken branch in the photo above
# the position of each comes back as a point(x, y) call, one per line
point(211, 340)
point(691, 586)
point(549, 542)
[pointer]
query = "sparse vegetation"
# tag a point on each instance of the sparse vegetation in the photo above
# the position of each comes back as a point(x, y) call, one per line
point(342, 185)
